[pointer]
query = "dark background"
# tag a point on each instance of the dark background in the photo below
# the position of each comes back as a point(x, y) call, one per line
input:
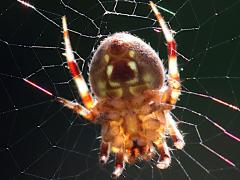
point(39, 139)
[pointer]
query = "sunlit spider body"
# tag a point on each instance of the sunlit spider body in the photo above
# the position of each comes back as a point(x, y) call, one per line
point(132, 102)
point(133, 105)
point(127, 75)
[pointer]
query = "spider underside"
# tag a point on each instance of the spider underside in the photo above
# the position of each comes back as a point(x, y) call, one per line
point(132, 102)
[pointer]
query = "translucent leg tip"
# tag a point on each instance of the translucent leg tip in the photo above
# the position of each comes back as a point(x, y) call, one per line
point(103, 159)
point(179, 144)
point(164, 164)
point(117, 172)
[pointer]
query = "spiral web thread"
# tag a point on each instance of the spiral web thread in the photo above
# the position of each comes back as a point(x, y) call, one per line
point(40, 139)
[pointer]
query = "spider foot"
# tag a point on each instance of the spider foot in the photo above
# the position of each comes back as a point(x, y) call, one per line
point(117, 172)
point(179, 144)
point(164, 160)
point(104, 153)
point(119, 166)
point(103, 159)
point(164, 163)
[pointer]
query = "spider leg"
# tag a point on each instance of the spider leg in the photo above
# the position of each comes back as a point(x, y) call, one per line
point(78, 108)
point(174, 77)
point(76, 73)
point(173, 131)
point(165, 158)
point(104, 152)
point(119, 165)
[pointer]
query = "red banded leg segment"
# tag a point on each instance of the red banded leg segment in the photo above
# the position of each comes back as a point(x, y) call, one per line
point(76, 73)
point(173, 131)
point(104, 152)
point(174, 77)
point(165, 158)
point(119, 165)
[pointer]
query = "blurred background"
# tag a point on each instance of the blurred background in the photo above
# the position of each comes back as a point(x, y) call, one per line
point(40, 139)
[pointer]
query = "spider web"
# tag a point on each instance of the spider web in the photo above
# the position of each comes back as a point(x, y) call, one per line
point(42, 140)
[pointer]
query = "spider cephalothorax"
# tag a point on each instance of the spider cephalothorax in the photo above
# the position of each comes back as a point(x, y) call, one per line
point(132, 104)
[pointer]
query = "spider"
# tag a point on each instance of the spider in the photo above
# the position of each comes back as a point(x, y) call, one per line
point(132, 103)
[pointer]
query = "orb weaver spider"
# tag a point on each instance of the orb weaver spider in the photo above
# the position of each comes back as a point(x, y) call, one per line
point(132, 102)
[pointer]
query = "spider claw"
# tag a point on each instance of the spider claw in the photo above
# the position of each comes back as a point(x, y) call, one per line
point(163, 164)
point(104, 153)
point(119, 165)
point(103, 159)
point(164, 160)
point(117, 171)
point(179, 144)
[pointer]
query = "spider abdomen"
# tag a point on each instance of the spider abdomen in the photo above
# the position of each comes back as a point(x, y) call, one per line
point(124, 66)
